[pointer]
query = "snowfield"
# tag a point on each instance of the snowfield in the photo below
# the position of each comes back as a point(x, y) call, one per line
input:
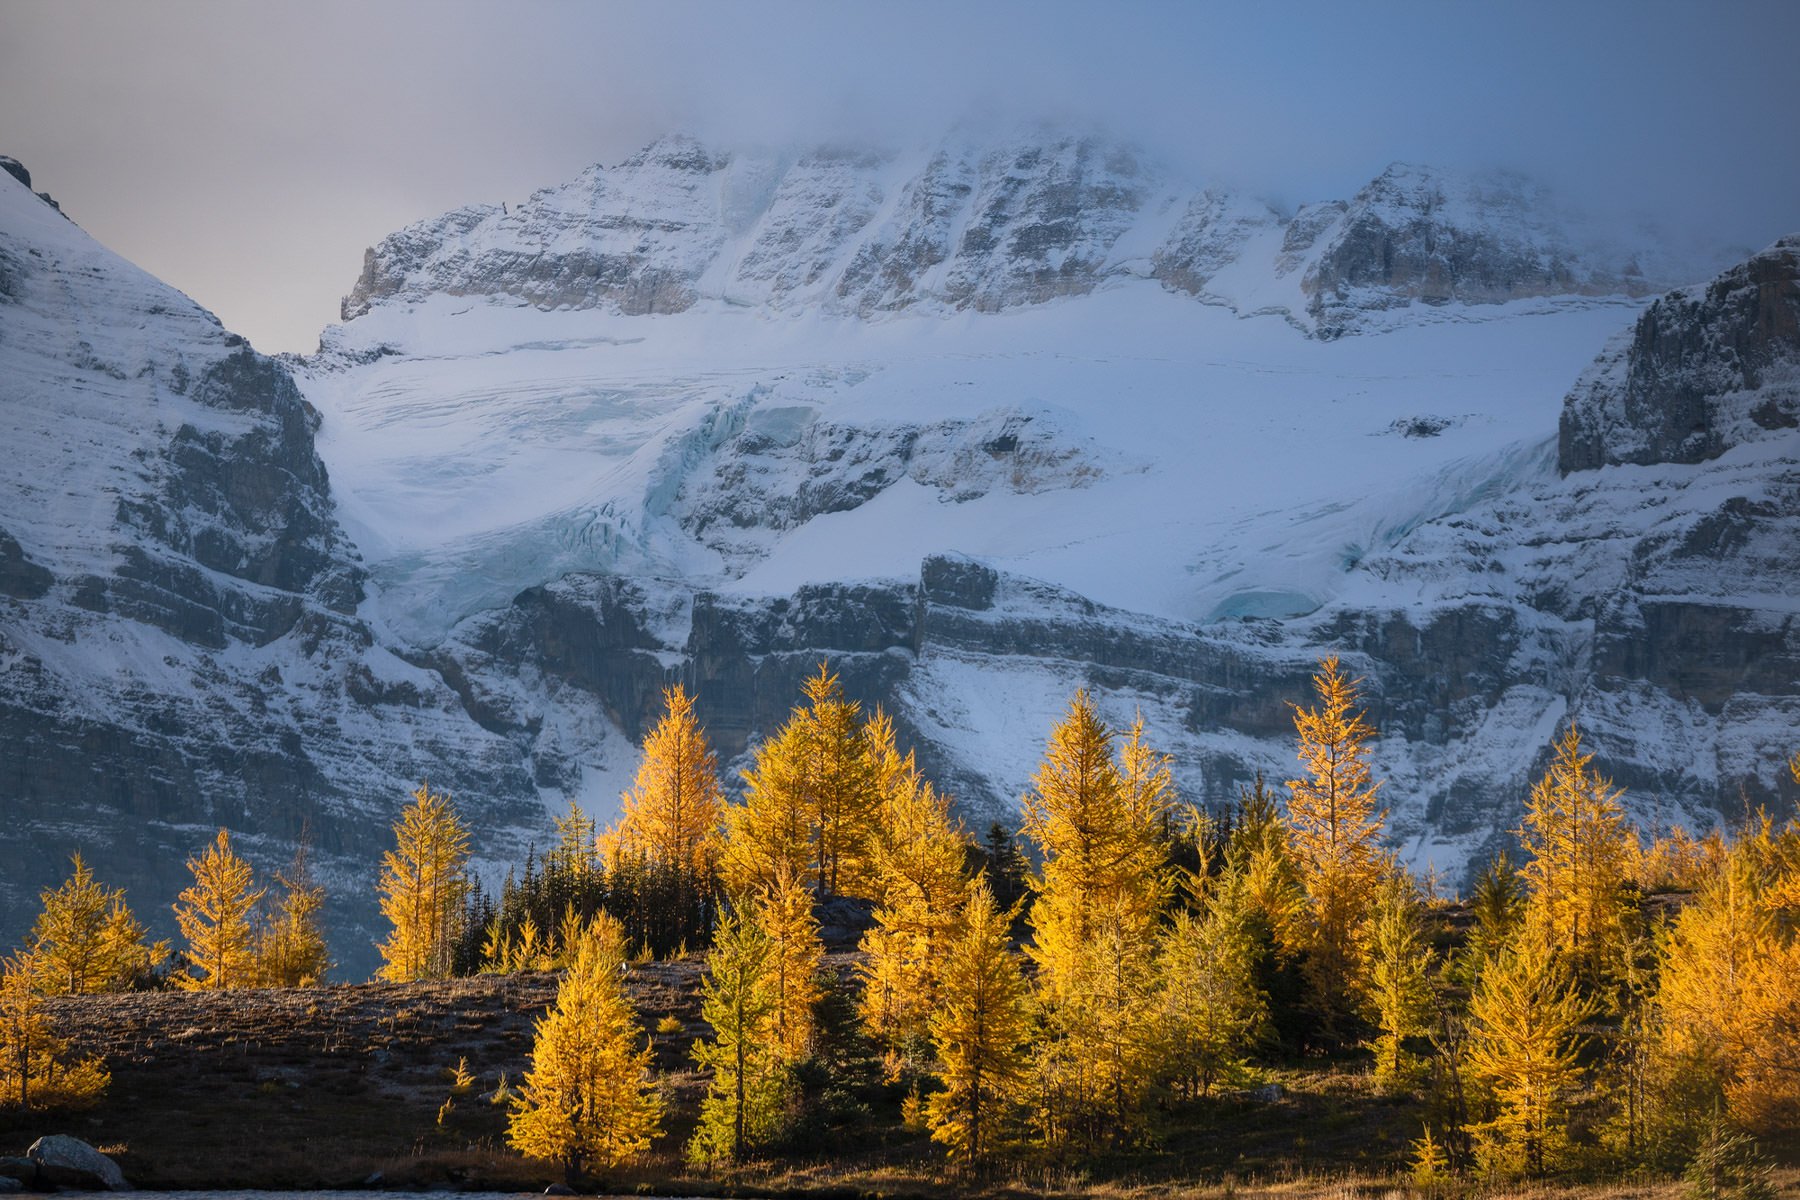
point(1150, 453)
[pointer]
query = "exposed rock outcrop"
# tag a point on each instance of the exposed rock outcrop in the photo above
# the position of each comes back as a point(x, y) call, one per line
point(1705, 369)
point(1420, 235)
point(982, 227)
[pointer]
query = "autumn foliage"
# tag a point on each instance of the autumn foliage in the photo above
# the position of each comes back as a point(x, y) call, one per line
point(1134, 965)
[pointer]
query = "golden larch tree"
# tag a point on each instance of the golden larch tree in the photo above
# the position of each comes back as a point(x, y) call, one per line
point(979, 1031)
point(671, 815)
point(1144, 773)
point(1097, 836)
point(1213, 1012)
point(1399, 992)
point(86, 938)
point(1765, 1095)
point(33, 1073)
point(589, 1098)
point(918, 858)
point(785, 914)
point(1525, 1020)
point(291, 951)
point(1334, 833)
point(1575, 873)
point(747, 1096)
point(1725, 1018)
point(423, 881)
point(810, 801)
point(216, 916)
point(1099, 896)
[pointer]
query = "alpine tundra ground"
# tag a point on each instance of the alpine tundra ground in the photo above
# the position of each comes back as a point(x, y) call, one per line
point(352, 1086)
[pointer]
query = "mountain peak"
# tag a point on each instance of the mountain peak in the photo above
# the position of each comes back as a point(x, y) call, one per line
point(994, 221)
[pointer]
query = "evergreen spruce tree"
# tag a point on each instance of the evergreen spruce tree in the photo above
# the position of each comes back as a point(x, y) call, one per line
point(979, 1031)
point(1004, 866)
point(589, 1098)
point(216, 917)
point(423, 882)
point(1399, 989)
point(1497, 902)
point(1213, 1011)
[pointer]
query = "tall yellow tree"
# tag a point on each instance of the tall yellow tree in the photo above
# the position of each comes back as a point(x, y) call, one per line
point(589, 1098)
point(216, 917)
point(423, 881)
point(979, 1031)
point(1097, 836)
point(1399, 990)
point(1725, 1017)
point(672, 813)
point(1575, 876)
point(1093, 927)
point(291, 951)
point(1334, 832)
point(811, 801)
point(1765, 1095)
point(785, 914)
point(86, 939)
point(33, 1073)
point(1213, 1012)
point(746, 1099)
point(1525, 1020)
point(918, 859)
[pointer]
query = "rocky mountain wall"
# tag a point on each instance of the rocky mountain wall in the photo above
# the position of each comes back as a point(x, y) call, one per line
point(982, 227)
point(179, 642)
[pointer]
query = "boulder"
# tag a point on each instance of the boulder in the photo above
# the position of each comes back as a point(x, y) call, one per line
point(20, 1170)
point(68, 1162)
point(9, 1184)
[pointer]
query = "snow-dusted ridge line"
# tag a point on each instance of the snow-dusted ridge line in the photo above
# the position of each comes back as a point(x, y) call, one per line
point(968, 225)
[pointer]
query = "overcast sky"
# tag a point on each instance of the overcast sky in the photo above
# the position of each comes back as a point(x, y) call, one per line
point(248, 153)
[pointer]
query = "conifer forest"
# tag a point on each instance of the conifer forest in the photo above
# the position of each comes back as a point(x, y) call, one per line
point(1090, 992)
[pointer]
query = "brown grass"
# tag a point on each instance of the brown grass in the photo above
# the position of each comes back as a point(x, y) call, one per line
point(329, 1087)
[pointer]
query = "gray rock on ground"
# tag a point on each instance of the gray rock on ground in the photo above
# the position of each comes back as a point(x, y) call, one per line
point(68, 1162)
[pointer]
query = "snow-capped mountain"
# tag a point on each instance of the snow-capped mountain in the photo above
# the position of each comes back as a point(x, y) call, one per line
point(970, 226)
point(981, 423)
point(722, 408)
point(179, 644)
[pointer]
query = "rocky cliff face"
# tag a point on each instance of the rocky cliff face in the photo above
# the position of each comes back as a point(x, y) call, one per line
point(179, 645)
point(1418, 235)
point(1653, 607)
point(979, 227)
point(1705, 369)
